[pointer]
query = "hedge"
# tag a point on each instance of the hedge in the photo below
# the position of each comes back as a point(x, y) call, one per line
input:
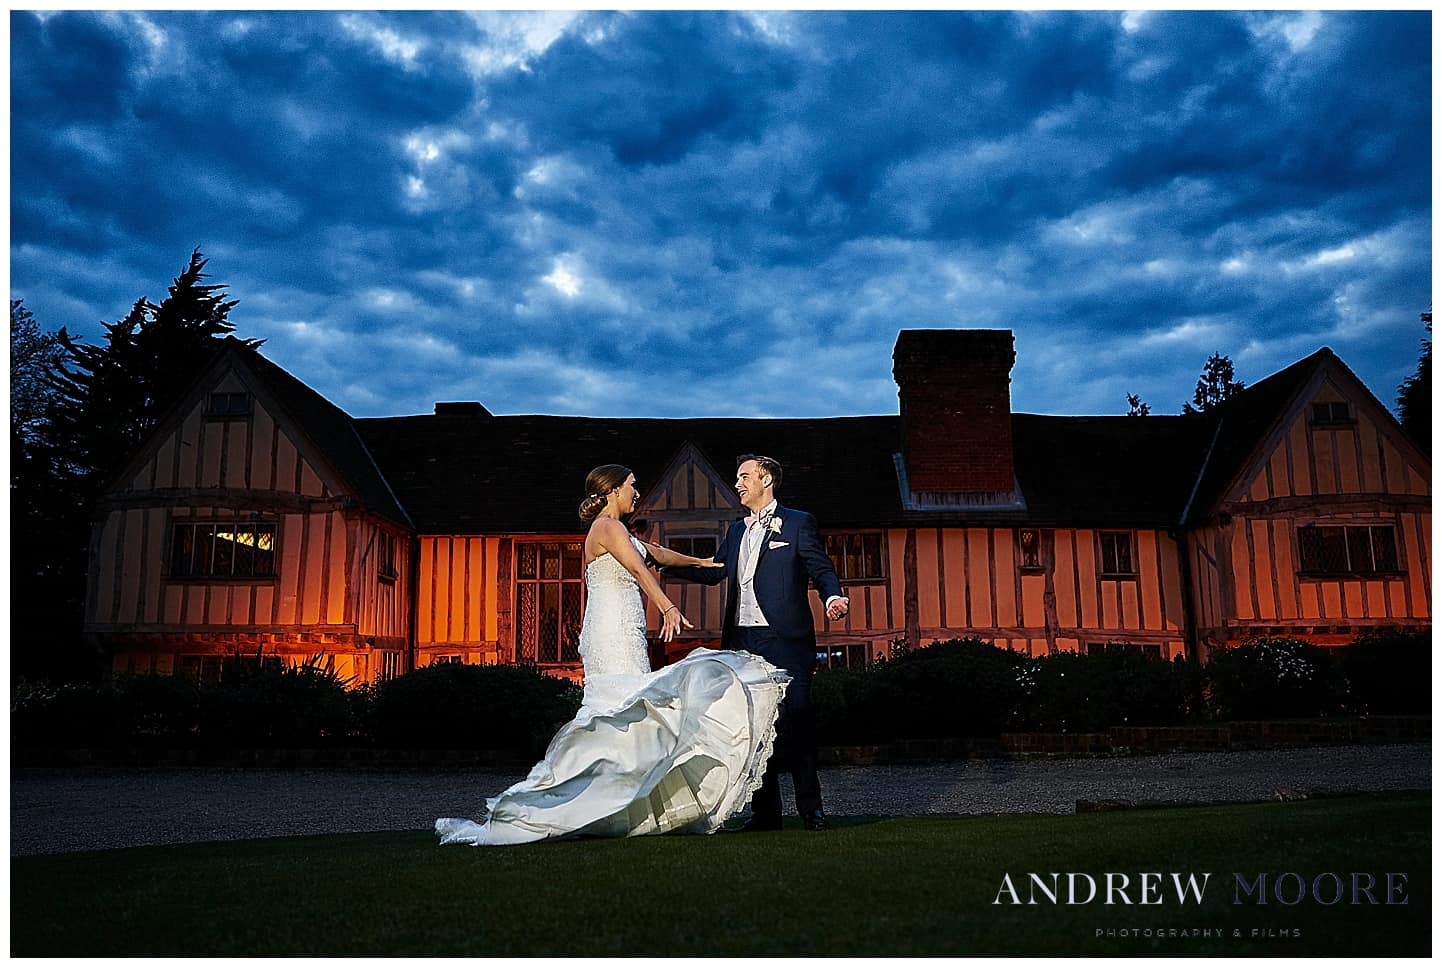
point(255, 705)
point(1277, 678)
point(961, 688)
point(456, 706)
point(1389, 673)
point(265, 705)
point(970, 688)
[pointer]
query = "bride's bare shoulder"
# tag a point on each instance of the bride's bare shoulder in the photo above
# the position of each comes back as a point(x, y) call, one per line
point(603, 533)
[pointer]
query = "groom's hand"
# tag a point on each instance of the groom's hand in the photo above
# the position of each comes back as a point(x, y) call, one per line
point(838, 608)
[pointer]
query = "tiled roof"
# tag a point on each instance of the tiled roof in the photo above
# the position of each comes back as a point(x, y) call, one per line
point(524, 474)
point(331, 430)
point(1240, 424)
point(474, 473)
point(1082, 471)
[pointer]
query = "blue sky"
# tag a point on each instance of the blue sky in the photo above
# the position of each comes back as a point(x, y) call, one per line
point(727, 213)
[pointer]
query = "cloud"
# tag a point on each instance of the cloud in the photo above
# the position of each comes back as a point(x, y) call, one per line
point(512, 41)
point(670, 213)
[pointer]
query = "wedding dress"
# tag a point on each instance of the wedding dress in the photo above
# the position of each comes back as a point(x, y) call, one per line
point(681, 748)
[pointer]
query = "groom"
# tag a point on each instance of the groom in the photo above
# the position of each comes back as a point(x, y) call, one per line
point(769, 558)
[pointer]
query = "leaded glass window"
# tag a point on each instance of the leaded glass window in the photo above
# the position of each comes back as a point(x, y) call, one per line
point(549, 601)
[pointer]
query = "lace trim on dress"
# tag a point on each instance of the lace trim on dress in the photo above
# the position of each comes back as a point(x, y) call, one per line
point(755, 773)
point(763, 688)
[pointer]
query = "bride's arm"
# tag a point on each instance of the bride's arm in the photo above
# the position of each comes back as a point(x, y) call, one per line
point(712, 572)
point(612, 536)
point(665, 557)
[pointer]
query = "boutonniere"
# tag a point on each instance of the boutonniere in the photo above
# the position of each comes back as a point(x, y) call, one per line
point(775, 525)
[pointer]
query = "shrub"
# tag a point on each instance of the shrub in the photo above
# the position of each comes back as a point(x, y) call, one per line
point(71, 715)
point(1075, 692)
point(269, 703)
point(156, 709)
point(454, 706)
point(1389, 672)
point(362, 702)
point(960, 687)
point(841, 706)
point(1274, 678)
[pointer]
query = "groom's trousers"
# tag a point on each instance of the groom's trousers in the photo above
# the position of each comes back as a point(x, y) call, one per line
point(795, 749)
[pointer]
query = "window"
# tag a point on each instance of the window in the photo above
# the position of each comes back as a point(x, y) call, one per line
point(1348, 550)
point(1149, 649)
point(210, 669)
point(223, 549)
point(386, 556)
point(1336, 412)
point(390, 665)
point(841, 657)
point(696, 545)
point(228, 405)
point(204, 669)
point(1029, 540)
point(548, 602)
point(1116, 547)
point(446, 660)
point(856, 556)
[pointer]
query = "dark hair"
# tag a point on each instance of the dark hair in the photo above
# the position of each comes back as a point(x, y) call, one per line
point(600, 482)
point(767, 464)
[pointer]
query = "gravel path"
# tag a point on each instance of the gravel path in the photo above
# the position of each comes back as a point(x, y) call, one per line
point(53, 811)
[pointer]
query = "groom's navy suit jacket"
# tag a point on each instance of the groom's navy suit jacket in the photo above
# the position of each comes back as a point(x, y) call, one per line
point(790, 562)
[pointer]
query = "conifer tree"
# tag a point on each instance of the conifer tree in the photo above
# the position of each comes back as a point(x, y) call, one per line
point(1414, 396)
point(109, 396)
point(99, 403)
point(1215, 386)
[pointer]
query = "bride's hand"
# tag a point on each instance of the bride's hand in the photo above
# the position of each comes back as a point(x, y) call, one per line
point(672, 622)
point(712, 563)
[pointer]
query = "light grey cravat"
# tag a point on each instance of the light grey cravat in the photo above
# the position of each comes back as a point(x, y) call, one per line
point(748, 610)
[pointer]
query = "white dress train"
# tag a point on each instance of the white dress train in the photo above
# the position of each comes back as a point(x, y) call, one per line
point(681, 748)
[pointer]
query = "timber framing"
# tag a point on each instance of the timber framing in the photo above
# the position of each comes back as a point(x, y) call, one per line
point(226, 498)
point(404, 535)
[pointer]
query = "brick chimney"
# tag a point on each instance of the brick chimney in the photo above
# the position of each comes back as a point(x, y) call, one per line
point(955, 390)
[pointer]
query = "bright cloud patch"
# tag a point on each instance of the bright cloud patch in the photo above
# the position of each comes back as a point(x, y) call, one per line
point(563, 279)
point(545, 210)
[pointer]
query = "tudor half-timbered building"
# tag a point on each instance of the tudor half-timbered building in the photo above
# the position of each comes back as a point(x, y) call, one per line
point(260, 516)
point(1313, 516)
point(253, 521)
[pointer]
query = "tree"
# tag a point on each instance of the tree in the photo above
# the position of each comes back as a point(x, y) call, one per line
point(98, 404)
point(48, 535)
point(1215, 385)
point(110, 396)
point(34, 356)
point(1138, 407)
point(1414, 396)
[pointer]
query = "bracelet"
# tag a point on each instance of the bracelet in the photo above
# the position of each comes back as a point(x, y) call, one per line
point(663, 613)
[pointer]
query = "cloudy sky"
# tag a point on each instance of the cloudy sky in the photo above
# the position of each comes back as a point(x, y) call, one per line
point(684, 214)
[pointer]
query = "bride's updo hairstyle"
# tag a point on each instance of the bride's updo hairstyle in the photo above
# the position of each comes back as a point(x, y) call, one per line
point(600, 482)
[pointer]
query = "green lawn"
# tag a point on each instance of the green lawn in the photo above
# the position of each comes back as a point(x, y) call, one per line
point(908, 886)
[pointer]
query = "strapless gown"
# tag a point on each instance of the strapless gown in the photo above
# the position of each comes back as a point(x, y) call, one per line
point(681, 748)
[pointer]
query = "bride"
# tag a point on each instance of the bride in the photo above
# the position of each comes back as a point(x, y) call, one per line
point(680, 748)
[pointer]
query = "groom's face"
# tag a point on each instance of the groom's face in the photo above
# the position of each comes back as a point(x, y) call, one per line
point(753, 485)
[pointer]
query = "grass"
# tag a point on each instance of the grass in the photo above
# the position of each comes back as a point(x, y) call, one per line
point(894, 886)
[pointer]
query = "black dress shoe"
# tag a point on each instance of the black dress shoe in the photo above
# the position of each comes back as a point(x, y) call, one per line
point(816, 820)
point(759, 824)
